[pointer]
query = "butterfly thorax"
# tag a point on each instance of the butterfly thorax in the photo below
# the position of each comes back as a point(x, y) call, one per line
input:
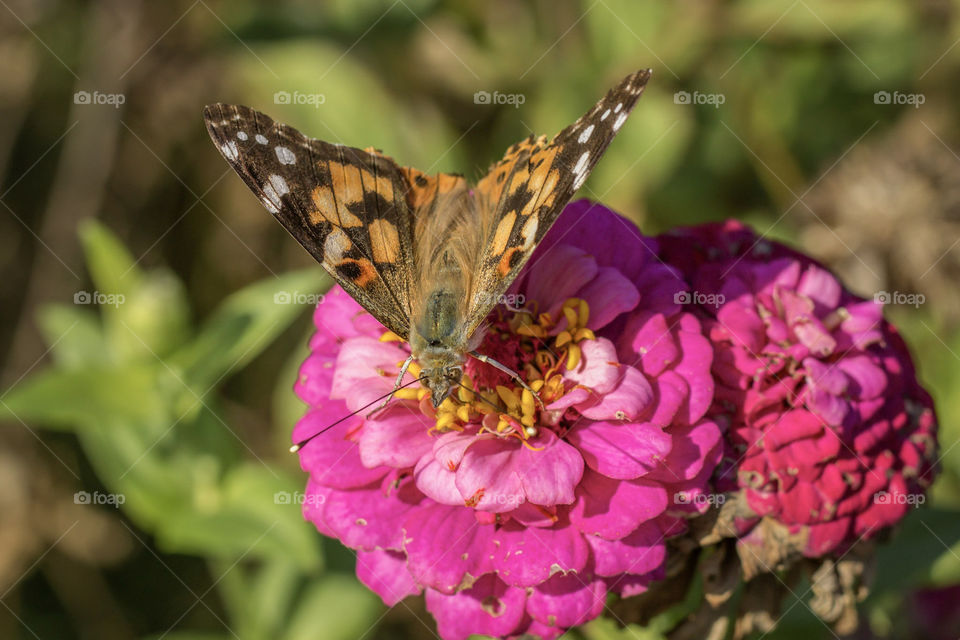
point(436, 343)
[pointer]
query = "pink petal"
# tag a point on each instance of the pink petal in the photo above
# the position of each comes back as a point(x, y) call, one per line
point(612, 509)
point(691, 444)
point(395, 437)
point(640, 552)
point(385, 573)
point(447, 549)
point(499, 474)
point(621, 451)
point(356, 378)
point(598, 369)
point(567, 601)
point(527, 556)
point(608, 295)
point(632, 396)
point(490, 608)
point(370, 518)
point(333, 459)
point(556, 275)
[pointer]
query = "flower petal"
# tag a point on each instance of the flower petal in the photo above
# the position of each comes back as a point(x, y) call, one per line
point(447, 549)
point(385, 573)
point(621, 451)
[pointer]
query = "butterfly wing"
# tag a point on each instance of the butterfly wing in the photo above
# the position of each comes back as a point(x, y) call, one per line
point(524, 193)
point(347, 207)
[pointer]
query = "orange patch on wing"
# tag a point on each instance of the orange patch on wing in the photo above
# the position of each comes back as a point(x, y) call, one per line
point(519, 179)
point(504, 266)
point(384, 241)
point(347, 184)
point(502, 234)
point(326, 209)
point(360, 271)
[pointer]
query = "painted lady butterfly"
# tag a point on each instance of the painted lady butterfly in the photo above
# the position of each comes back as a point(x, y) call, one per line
point(428, 256)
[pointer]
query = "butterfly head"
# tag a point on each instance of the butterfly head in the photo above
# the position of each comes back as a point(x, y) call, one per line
point(442, 372)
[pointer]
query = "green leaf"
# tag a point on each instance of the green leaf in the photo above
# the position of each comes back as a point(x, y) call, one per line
point(923, 551)
point(245, 324)
point(111, 266)
point(335, 607)
point(86, 398)
point(73, 335)
point(254, 512)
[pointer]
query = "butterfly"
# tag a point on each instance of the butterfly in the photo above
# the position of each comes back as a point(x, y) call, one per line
point(428, 256)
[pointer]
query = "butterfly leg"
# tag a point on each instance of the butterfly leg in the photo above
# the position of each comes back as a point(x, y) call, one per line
point(510, 372)
point(396, 385)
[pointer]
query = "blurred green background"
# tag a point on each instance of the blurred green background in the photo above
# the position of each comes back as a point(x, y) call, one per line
point(145, 360)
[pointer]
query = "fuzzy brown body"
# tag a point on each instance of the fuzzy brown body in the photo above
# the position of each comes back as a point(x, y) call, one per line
point(426, 255)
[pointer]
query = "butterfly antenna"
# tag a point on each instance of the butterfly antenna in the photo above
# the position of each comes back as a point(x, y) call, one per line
point(303, 443)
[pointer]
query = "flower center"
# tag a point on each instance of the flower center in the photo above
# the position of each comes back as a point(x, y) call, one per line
point(536, 346)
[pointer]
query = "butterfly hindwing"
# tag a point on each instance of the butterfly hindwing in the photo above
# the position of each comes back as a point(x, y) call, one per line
point(525, 192)
point(348, 207)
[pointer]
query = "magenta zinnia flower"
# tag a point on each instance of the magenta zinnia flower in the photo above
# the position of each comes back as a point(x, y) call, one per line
point(827, 429)
point(512, 519)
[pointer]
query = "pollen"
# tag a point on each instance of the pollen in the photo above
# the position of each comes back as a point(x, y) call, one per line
point(539, 346)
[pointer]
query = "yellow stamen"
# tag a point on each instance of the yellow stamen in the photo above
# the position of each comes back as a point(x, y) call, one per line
point(573, 357)
point(390, 336)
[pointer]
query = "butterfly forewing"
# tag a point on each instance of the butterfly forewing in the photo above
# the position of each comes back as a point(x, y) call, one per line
point(348, 207)
point(393, 236)
point(526, 191)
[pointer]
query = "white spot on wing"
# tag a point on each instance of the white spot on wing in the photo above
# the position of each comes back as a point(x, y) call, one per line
point(279, 184)
point(580, 170)
point(529, 232)
point(619, 121)
point(336, 244)
point(272, 192)
point(585, 135)
point(260, 138)
point(242, 135)
point(605, 114)
point(617, 108)
point(285, 156)
point(581, 163)
point(229, 150)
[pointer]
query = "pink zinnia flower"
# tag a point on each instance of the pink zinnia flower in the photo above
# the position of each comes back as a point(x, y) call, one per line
point(512, 519)
point(827, 428)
